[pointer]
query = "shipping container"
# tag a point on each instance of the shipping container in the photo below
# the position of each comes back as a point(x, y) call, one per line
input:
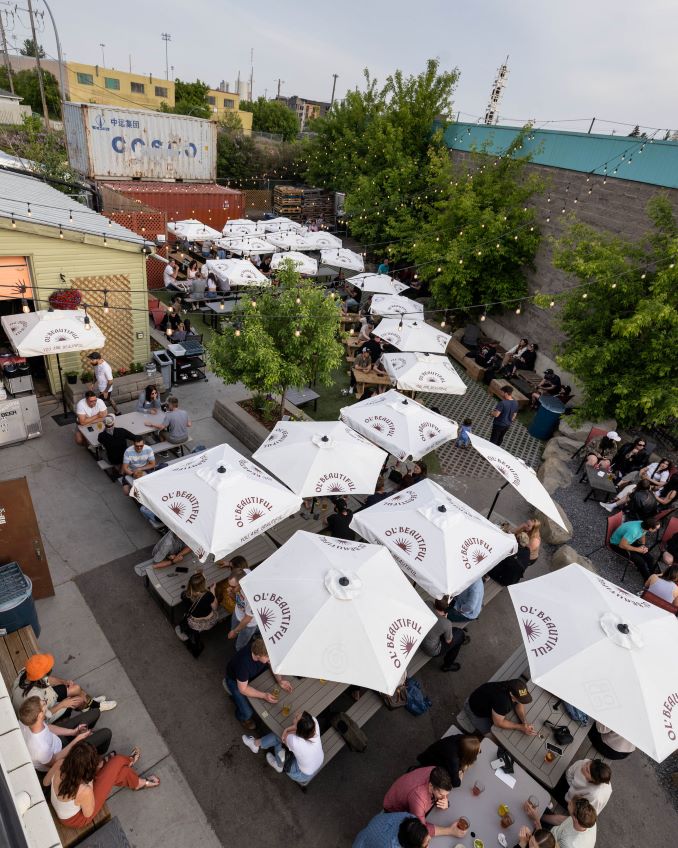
point(207, 202)
point(111, 142)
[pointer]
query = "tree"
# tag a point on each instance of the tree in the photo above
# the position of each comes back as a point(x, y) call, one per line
point(243, 159)
point(622, 324)
point(46, 150)
point(27, 86)
point(286, 336)
point(272, 116)
point(190, 98)
point(31, 48)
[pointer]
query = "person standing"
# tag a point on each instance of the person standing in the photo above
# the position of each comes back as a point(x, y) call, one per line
point(444, 635)
point(103, 379)
point(243, 625)
point(504, 415)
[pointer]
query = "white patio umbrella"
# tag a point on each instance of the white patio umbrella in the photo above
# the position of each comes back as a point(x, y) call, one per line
point(409, 335)
point(240, 227)
point(605, 651)
point(305, 265)
point(423, 372)
point(437, 540)
point(337, 610)
point(389, 305)
point(276, 225)
point(193, 230)
point(246, 244)
point(523, 478)
point(52, 331)
point(215, 501)
point(399, 425)
point(378, 284)
point(321, 240)
point(341, 257)
point(289, 240)
point(321, 458)
point(236, 272)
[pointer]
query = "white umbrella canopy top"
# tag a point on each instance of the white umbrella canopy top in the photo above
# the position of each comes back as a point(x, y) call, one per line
point(321, 458)
point(378, 284)
point(52, 331)
point(437, 540)
point(322, 240)
point(523, 478)
point(399, 425)
point(342, 257)
point(423, 372)
point(240, 227)
point(236, 272)
point(604, 650)
point(388, 305)
point(409, 335)
point(305, 265)
point(215, 501)
point(289, 240)
point(277, 225)
point(337, 610)
point(246, 244)
point(193, 229)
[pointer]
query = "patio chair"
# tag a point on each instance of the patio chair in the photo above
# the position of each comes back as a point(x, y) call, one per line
point(669, 531)
point(651, 598)
point(594, 433)
point(612, 523)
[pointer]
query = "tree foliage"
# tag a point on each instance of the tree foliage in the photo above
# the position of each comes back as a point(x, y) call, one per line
point(31, 48)
point(190, 98)
point(46, 149)
point(243, 160)
point(27, 86)
point(622, 337)
point(275, 342)
point(272, 116)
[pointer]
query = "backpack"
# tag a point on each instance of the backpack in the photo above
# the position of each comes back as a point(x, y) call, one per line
point(417, 701)
point(352, 735)
point(576, 714)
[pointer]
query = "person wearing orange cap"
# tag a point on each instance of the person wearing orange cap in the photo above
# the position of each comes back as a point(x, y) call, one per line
point(61, 697)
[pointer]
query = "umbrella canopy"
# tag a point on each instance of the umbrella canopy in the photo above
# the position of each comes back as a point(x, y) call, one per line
point(288, 240)
point(304, 264)
point(246, 244)
point(236, 272)
point(523, 479)
point(412, 335)
point(215, 501)
point(378, 284)
point(436, 539)
point(604, 650)
point(423, 372)
point(193, 230)
point(276, 225)
point(240, 227)
point(388, 305)
point(52, 331)
point(323, 458)
point(322, 240)
point(337, 610)
point(399, 425)
point(341, 257)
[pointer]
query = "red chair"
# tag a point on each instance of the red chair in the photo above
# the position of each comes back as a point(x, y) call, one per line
point(594, 433)
point(651, 598)
point(613, 522)
point(669, 532)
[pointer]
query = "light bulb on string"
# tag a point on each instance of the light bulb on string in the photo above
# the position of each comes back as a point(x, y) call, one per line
point(105, 301)
point(24, 305)
point(518, 310)
point(169, 332)
point(297, 332)
point(13, 222)
point(30, 214)
point(237, 331)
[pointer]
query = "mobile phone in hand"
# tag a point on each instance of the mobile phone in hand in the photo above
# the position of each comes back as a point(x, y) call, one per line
point(181, 569)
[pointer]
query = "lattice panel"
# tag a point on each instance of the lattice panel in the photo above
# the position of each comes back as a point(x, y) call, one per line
point(117, 325)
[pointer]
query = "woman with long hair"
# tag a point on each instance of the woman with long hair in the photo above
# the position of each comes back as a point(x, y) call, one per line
point(201, 613)
point(665, 586)
point(82, 781)
point(149, 400)
point(456, 754)
point(600, 452)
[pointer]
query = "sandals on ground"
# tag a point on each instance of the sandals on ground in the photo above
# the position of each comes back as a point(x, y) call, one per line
point(150, 782)
point(134, 756)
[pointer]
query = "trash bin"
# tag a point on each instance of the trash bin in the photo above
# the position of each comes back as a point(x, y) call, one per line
point(164, 363)
point(548, 415)
point(17, 609)
point(151, 370)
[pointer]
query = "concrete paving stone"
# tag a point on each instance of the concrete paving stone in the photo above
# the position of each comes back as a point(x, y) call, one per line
point(166, 817)
point(60, 571)
point(71, 633)
point(210, 433)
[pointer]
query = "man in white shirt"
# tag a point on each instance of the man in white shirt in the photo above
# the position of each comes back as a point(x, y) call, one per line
point(44, 740)
point(103, 379)
point(589, 779)
point(304, 746)
point(89, 411)
point(578, 830)
point(169, 276)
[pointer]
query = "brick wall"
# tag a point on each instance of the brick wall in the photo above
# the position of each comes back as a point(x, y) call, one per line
point(155, 268)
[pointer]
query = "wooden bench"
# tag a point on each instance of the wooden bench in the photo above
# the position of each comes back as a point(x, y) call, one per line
point(496, 387)
point(361, 712)
point(75, 835)
point(162, 447)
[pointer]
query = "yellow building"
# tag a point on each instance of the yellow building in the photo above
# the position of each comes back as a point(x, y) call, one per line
point(94, 84)
point(228, 103)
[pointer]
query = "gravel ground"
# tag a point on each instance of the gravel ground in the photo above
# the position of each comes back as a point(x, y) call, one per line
point(588, 523)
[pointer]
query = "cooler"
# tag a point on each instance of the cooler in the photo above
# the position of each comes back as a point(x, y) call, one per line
point(17, 609)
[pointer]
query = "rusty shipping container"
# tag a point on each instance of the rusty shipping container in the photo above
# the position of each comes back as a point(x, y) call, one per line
point(115, 143)
point(207, 202)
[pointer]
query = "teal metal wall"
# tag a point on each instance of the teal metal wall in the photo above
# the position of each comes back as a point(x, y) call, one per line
point(657, 164)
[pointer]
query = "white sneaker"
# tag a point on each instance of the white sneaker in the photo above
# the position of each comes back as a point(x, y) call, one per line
point(608, 506)
point(251, 744)
point(273, 762)
point(104, 706)
point(140, 569)
point(180, 633)
point(99, 698)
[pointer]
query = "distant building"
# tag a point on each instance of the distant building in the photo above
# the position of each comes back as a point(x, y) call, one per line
point(11, 110)
point(224, 102)
point(305, 110)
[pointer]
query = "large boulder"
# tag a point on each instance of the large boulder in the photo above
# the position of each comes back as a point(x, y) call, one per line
point(566, 555)
point(554, 450)
point(581, 431)
point(554, 474)
point(553, 533)
point(565, 443)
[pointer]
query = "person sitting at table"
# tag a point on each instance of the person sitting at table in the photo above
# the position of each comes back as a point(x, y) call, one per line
point(175, 424)
point(180, 333)
point(550, 385)
point(418, 473)
point(468, 604)
point(539, 838)
point(200, 605)
point(243, 625)
point(444, 635)
point(656, 472)
point(637, 501)
point(299, 751)
point(338, 523)
point(198, 286)
point(193, 270)
point(456, 754)
point(373, 346)
point(393, 830)
point(417, 792)
point(149, 400)
point(525, 361)
point(511, 570)
point(514, 352)
point(630, 457)
point(246, 665)
point(137, 460)
point(89, 410)
point(629, 541)
point(601, 451)
point(610, 744)
point(667, 494)
point(533, 529)
point(114, 442)
point(169, 277)
point(492, 366)
point(366, 329)
point(491, 702)
point(578, 830)
point(665, 586)
point(588, 779)
point(170, 550)
point(212, 287)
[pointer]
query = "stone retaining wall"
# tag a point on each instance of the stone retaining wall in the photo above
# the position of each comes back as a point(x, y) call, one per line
point(243, 426)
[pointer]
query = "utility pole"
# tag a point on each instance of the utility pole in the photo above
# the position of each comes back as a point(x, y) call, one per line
point(41, 83)
point(280, 82)
point(8, 64)
point(166, 37)
point(103, 55)
point(334, 85)
point(252, 75)
point(62, 85)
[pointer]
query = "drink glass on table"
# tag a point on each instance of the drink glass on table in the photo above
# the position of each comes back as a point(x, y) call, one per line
point(533, 801)
point(286, 709)
point(506, 820)
point(549, 757)
point(463, 823)
point(275, 692)
point(502, 809)
point(478, 788)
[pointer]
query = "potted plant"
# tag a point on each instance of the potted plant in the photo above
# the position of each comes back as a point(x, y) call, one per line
point(65, 299)
point(136, 368)
point(87, 377)
point(121, 372)
point(72, 377)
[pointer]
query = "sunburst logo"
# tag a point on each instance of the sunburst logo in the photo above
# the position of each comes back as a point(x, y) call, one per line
point(402, 637)
point(254, 513)
point(398, 362)
point(404, 544)
point(532, 629)
point(182, 503)
point(474, 551)
point(276, 437)
point(442, 340)
point(178, 508)
point(381, 424)
point(408, 540)
point(251, 509)
point(335, 488)
point(200, 552)
point(428, 430)
point(541, 631)
point(340, 544)
point(273, 614)
point(401, 498)
point(394, 338)
point(505, 469)
point(407, 643)
point(253, 469)
point(265, 617)
point(478, 557)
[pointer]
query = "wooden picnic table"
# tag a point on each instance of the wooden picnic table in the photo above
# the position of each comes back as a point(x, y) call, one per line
point(363, 379)
point(481, 811)
point(529, 751)
point(284, 530)
point(135, 422)
point(599, 484)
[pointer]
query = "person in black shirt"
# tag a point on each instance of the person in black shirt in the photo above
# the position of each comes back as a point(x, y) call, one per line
point(200, 605)
point(453, 753)
point(550, 385)
point(242, 668)
point(373, 347)
point(379, 494)
point(491, 702)
point(630, 457)
point(338, 524)
point(114, 441)
point(511, 570)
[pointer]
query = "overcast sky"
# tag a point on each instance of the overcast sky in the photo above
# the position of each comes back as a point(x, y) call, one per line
point(569, 61)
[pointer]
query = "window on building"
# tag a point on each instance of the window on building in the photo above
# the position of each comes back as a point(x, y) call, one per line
point(112, 83)
point(160, 91)
point(229, 104)
point(138, 88)
point(212, 100)
point(85, 79)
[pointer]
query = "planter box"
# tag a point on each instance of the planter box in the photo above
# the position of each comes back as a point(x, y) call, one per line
point(125, 388)
point(245, 427)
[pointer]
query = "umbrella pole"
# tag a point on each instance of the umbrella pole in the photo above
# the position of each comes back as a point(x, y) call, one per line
point(66, 417)
point(496, 498)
